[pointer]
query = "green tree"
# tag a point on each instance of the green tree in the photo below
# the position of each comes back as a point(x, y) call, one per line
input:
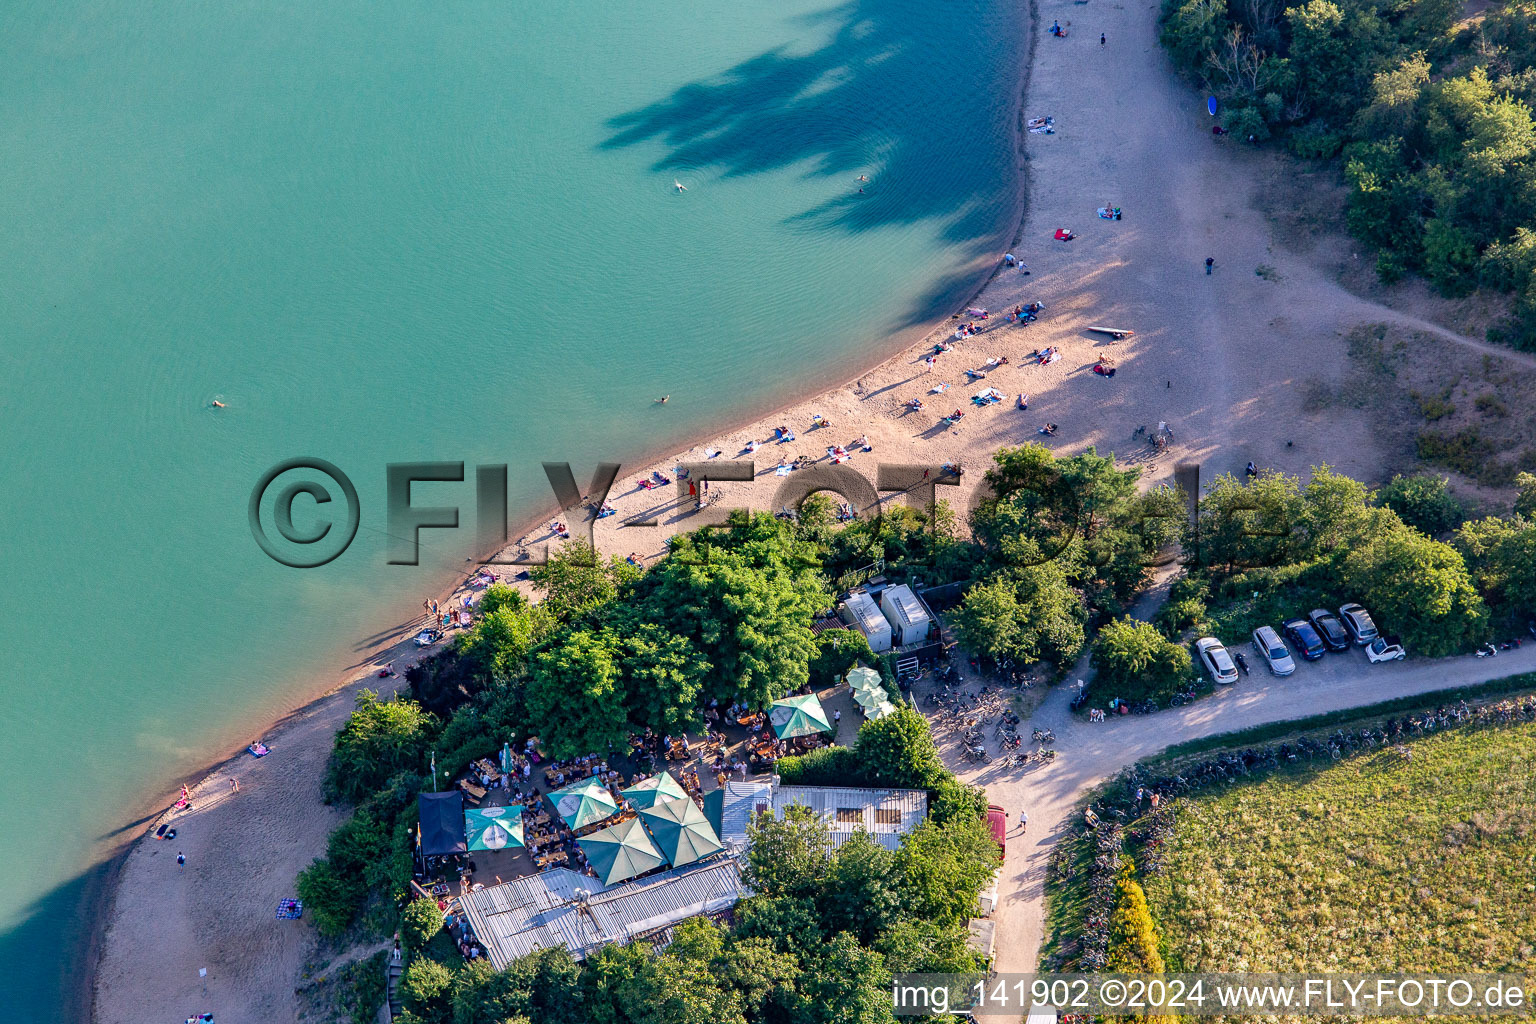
point(898, 750)
point(942, 870)
point(498, 645)
point(1418, 588)
point(1248, 525)
point(1335, 511)
point(688, 987)
point(1501, 554)
point(1525, 502)
point(380, 738)
point(1030, 613)
point(575, 696)
point(763, 978)
point(544, 986)
point(745, 594)
point(848, 985)
point(419, 922)
point(424, 990)
point(663, 678)
point(1423, 502)
point(860, 893)
point(788, 855)
point(575, 581)
point(614, 979)
point(1135, 661)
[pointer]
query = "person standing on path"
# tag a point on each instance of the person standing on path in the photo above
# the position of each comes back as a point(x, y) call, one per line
point(1023, 820)
point(1101, 39)
point(181, 859)
point(1209, 263)
point(234, 785)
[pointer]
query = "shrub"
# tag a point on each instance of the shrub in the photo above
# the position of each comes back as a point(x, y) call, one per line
point(824, 766)
point(419, 921)
point(1133, 946)
point(333, 900)
point(898, 750)
point(837, 651)
point(424, 989)
point(1423, 502)
point(1135, 662)
point(381, 737)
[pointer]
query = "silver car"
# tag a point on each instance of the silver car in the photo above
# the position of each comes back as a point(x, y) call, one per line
point(1272, 649)
point(1216, 661)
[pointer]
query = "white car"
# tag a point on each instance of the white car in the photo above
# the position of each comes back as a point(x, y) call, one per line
point(1216, 660)
point(1380, 650)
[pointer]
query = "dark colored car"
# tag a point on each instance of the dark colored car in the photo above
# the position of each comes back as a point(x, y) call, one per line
point(1330, 629)
point(997, 820)
point(1305, 639)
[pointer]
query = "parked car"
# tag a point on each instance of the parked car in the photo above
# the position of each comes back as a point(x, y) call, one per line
point(1216, 660)
point(1358, 621)
point(997, 821)
point(1380, 650)
point(1305, 639)
point(1330, 629)
point(428, 637)
point(1272, 650)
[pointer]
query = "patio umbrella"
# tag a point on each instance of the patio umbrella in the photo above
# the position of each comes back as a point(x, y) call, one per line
point(584, 803)
point(506, 759)
point(798, 716)
point(494, 828)
point(621, 851)
point(882, 709)
point(682, 831)
point(862, 678)
point(867, 699)
point(653, 791)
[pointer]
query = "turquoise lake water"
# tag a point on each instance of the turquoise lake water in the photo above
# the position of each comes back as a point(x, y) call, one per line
point(393, 231)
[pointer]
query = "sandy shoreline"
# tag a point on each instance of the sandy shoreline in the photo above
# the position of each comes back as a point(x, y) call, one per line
point(328, 708)
point(1204, 336)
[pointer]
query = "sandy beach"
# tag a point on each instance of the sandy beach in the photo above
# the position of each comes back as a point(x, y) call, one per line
point(1219, 358)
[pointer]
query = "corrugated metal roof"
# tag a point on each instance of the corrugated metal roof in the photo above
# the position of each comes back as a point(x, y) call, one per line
point(543, 910)
point(739, 804)
point(844, 809)
point(886, 814)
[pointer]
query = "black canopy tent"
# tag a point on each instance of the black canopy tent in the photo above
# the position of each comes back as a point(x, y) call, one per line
point(441, 823)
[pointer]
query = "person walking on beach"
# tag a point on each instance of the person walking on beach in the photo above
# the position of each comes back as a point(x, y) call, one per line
point(1209, 263)
point(181, 859)
point(1101, 39)
point(1023, 820)
point(234, 786)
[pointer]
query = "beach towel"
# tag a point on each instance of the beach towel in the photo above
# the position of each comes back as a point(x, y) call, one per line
point(782, 471)
point(1044, 129)
point(1063, 235)
point(258, 750)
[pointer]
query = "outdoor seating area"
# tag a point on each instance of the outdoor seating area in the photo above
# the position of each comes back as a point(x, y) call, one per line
point(610, 817)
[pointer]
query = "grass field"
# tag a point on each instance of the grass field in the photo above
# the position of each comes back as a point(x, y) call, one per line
point(1371, 863)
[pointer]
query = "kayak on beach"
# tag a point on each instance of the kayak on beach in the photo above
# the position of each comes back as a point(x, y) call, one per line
point(1114, 332)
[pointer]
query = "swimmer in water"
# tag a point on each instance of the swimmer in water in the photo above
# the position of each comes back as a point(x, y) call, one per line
point(663, 399)
point(219, 405)
point(679, 185)
point(863, 177)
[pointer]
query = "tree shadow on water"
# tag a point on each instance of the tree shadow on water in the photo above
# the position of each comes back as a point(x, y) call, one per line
point(912, 94)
